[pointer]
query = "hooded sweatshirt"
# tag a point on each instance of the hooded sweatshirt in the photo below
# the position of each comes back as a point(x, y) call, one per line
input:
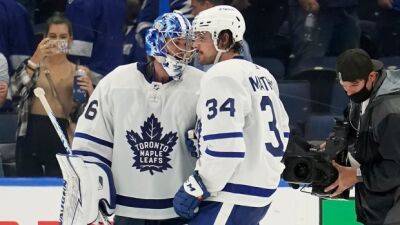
point(378, 152)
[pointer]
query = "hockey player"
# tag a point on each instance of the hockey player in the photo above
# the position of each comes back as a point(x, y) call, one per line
point(242, 126)
point(136, 121)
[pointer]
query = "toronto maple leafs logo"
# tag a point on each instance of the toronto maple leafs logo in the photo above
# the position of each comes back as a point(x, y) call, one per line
point(151, 150)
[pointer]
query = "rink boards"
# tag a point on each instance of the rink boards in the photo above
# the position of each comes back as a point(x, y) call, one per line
point(37, 201)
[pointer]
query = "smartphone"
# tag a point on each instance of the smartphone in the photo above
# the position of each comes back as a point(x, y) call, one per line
point(62, 46)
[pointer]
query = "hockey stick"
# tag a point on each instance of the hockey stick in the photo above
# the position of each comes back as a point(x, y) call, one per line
point(71, 199)
point(39, 93)
point(71, 204)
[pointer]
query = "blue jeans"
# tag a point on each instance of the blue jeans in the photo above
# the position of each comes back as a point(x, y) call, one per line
point(119, 220)
point(335, 30)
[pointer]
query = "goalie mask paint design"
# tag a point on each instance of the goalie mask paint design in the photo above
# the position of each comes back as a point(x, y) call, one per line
point(170, 28)
point(151, 150)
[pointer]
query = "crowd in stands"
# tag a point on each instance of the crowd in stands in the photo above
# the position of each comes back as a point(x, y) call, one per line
point(296, 40)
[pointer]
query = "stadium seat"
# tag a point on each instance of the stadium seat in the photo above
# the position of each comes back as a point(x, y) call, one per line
point(339, 100)
point(318, 127)
point(8, 128)
point(316, 63)
point(391, 63)
point(295, 96)
point(274, 66)
point(321, 74)
point(7, 143)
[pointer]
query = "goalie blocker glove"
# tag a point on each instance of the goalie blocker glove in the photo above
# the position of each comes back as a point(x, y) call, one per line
point(189, 196)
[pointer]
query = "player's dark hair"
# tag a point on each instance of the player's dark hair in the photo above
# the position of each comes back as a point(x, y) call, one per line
point(237, 47)
point(58, 18)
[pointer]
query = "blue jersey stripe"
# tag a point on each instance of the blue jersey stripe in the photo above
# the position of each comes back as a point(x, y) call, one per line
point(144, 203)
point(92, 154)
point(94, 139)
point(32, 182)
point(223, 136)
point(225, 154)
point(286, 134)
point(248, 190)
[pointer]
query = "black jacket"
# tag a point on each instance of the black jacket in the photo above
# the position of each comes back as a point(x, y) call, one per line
point(378, 151)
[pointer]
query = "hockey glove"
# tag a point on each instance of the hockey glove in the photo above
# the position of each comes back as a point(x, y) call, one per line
point(189, 196)
point(192, 144)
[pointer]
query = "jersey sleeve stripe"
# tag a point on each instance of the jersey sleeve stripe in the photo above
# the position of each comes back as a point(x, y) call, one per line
point(286, 134)
point(225, 154)
point(94, 139)
point(248, 190)
point(81, 48)
point(92, 154)
point(144, 203)
point(223, 136)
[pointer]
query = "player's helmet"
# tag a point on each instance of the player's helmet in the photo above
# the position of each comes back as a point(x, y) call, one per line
point(219, 18)
point(170, 27)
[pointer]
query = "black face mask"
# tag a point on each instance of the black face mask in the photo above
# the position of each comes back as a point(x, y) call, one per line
point(362, 95)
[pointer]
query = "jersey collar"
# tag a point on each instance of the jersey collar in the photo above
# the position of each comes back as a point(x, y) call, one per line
point(238, 57)
point(147, 71)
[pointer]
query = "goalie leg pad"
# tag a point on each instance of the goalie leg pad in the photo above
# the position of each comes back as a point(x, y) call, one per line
point(96, 187)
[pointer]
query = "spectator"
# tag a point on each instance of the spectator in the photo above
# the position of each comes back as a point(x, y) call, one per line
point(332, 27)
point(201, 5)
point(48, 68)
point(132, 51)
point(263, 22)
point(16, 33)
point(388, 25)
point(4, 78)
point(98, 34)
point(31, 7)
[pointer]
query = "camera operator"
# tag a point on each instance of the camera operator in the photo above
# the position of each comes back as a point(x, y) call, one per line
point(375, 160)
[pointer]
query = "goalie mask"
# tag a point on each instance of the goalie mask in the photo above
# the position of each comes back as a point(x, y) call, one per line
point(170, 43)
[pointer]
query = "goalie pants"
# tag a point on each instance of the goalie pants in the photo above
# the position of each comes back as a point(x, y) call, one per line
point(218, 213)
point(36, 151)
point(119, 220)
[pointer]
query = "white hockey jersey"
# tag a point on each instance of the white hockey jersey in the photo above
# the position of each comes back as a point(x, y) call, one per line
point(244, 132)
point(138, 128)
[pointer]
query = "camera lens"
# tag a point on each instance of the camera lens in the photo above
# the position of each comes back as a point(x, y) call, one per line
point(301, 171)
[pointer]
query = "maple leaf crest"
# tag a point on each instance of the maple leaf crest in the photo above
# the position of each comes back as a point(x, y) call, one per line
point(151, 150)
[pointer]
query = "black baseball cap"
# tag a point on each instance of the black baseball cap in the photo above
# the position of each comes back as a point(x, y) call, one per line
point(356, 64)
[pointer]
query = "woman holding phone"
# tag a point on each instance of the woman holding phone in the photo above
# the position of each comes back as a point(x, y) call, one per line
point(50, 69)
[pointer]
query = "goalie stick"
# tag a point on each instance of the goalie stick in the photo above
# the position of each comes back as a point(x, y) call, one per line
point(71, 212)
